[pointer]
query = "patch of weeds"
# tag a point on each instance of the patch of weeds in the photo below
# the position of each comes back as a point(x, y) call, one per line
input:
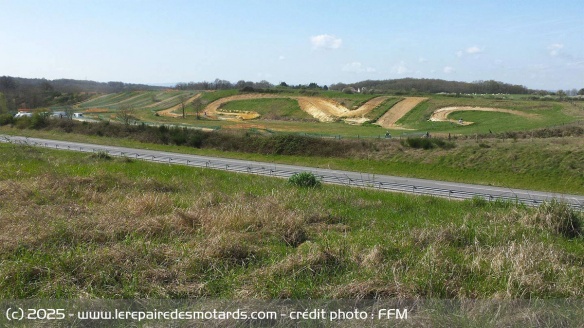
point(102, 155)
point(304, 179)
point(557, 217)
point(478, 201)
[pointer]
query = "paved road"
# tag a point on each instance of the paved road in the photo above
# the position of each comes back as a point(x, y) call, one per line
point(382, 182)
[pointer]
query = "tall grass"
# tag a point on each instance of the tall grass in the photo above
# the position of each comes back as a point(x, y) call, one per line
point(74, 225)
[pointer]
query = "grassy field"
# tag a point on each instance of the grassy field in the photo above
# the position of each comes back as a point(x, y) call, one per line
point(151, 100)
point(270, 109)
point(549, 113)
point(79, 225)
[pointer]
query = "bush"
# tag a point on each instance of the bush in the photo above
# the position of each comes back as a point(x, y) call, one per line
point(39, 120)
point(23, 122)
point(304, 179)
point(6, 119)
point(417, 143)
point(427, 143)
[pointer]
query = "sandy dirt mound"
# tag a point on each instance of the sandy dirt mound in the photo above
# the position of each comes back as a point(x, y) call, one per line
point(389, 119)
point(323, 109)
point(356, 120)
point(366, 107)
point(169, 112)
point(441, 115)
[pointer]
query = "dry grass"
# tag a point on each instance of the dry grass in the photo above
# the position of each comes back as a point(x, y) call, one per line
point(78, 226)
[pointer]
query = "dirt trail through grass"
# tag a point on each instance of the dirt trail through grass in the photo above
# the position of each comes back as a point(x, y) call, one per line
point(389, 119)
point(441, 115)
point(324, 110)
point(169, 112)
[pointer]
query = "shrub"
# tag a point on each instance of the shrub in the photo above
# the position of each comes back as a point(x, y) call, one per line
point(6, 119)
point(417, 143)
point(304, 179)
point(427, 143)
point(23, 122)
point(102, 154)
point(39, 120)
point(558, 217)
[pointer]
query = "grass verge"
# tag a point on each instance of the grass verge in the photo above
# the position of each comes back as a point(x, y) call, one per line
point(75, 225)
point(548, 164)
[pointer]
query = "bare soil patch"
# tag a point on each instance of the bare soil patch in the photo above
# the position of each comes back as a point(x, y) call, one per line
point(389, 119)
point(97, 110)
point(441, 115)
point(366, 107)
point(324, 110)
point(169, 112)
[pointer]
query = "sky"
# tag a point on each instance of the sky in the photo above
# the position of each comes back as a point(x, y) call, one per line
point(538, 44)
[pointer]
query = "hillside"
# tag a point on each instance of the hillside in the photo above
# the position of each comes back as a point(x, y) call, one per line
point(34, 93)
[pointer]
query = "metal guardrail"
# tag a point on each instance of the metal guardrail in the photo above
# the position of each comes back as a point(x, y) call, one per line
point(274, 171)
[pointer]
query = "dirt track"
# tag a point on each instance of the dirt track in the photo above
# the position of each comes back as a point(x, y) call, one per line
point(324, 110)
point(389, 119)
point(169, 111)
point(441, 115)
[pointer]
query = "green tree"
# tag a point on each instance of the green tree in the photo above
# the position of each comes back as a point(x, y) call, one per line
point(581, 92)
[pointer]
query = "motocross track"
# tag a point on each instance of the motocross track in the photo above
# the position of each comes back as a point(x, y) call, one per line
point(324, 110)
point(169, 112)
point(441, 115)
point(389, 119)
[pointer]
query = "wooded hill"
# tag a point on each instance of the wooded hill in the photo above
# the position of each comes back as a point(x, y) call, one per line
point(16, 92)
point(410, 85)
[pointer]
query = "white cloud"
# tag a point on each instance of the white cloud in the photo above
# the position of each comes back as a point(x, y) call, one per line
point(422, 60)
point(448, 69)
point(281, 58)
point(555, 49)
point(357, 67)
point(474, 50)
point(325, 41)
point(400, 68)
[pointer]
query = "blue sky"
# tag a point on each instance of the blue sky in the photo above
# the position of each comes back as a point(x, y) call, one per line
point(539, 44)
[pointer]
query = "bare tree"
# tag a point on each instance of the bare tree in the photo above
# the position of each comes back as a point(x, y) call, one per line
point(183, 103)
point(126, 114)
point(198, 105)
point(69, 111)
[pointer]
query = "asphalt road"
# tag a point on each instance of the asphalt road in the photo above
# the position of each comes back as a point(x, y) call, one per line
point(451, 190)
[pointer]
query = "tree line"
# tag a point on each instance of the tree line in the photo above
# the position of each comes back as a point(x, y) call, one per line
point(411, 85)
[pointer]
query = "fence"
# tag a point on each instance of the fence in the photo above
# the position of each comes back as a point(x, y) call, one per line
point(352, 179)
